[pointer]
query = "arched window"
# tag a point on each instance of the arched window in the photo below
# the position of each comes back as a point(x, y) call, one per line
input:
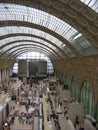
point(87, 97)
point(67, 81)
point(74, 89)
point(62, 77)
point(96, 113)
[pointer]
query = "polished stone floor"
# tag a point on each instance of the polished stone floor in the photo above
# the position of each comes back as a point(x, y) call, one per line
point(48, 125)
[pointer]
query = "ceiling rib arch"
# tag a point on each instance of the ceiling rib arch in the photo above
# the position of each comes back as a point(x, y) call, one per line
point(52, 51)
point(26, 24)
point(32, 46)
point(70, 4)
point(68, 11)
point(6, 45)
point(31, 35)
point(27, 49)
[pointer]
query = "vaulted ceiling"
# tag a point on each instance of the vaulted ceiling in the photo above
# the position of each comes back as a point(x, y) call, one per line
point(56, 28)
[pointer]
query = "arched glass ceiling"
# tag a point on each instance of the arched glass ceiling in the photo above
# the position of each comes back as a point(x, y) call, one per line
point(25, 30)
point(15, 48)
point(27, 49)
point(33, 55)
point(30, 54)
point(21, 44)
point(23, 13)
point(17, 51)
point(35, 32)
point(18, 39)
point(93, 4)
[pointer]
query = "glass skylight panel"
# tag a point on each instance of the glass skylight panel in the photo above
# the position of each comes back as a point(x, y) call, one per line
point(39, 17)
point(28, 14)
point(15, 44)
point(81, 43)
point(93, 4)
point(69, 53)
point(84, 43)
point(15, 49)
point(20, 29)
point(8, 30)
point(28, 46)
point(18, 49)
point(9, 51)
point(33, 55)
point(33, 41)
point(70, 33)
point(23, 55)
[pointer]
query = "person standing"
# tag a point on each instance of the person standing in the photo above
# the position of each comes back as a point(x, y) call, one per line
point(65, 110)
